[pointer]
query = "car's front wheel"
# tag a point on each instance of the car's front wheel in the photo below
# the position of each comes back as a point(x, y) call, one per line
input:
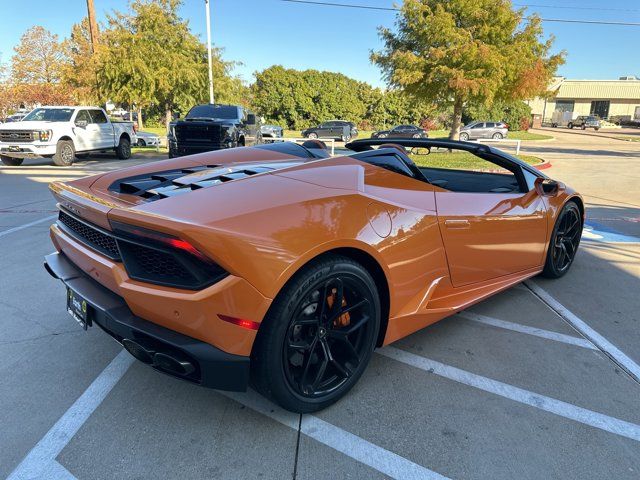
point(11, 161)
point(312, 135)
point(497, 136)
point(65, 153)
point(318, 335)
point(564, 242)
point(464, 136)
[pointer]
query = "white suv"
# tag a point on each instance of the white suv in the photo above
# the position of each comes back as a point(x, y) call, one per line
point(62, 132)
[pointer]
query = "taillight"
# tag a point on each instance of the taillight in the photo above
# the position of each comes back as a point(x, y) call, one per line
point(155, 257)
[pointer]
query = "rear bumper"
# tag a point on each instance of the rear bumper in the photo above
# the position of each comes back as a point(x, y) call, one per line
point(213, 368)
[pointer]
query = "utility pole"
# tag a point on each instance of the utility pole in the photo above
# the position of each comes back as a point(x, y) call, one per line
point(93, 25)
point(206, 4)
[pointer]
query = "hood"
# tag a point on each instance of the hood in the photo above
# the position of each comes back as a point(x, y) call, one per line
point(22, 125)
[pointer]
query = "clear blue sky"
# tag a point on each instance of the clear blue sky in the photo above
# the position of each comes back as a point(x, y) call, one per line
point(260, 33)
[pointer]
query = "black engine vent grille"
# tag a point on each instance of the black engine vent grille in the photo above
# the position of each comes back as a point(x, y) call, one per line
point(92, 236)
point(177, 182)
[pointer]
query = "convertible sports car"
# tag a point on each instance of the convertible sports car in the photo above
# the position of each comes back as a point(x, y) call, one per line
point(281, 267)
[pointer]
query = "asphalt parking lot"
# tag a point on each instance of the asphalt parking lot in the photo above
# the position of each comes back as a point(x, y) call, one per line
point(536, 382)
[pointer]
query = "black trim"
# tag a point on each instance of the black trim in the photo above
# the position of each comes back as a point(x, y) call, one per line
point(213, 367)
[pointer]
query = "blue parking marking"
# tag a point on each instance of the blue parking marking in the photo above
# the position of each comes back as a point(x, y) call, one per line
point(601, 233)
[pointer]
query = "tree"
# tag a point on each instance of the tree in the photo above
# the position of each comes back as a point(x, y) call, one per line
point(150, 57)
point(466, 52)
point(80, 72)
point(39, 58)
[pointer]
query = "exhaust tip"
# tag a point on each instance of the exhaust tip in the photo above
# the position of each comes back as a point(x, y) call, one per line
point(177, 366)
point(144, 354)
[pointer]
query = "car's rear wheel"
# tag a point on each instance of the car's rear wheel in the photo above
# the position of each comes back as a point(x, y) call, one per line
point(11, 161)
point(346, 138)
point(497, 136)
point(464, 136)
point(312, 135)
point(570, 125)
point(318, 336)
point(65, 153)
point(564, 242)
point(584, 127)
point(123, 150)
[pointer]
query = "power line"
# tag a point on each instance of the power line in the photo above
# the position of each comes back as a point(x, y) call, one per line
point(393, 9)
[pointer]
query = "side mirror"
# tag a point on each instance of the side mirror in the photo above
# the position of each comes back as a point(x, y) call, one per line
point(251, 119)
point(82, 123)
point(547, 187)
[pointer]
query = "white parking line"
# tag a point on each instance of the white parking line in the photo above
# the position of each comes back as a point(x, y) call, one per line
point(27, 225)
point(548, 404)
point(536, 332)
point(359, 449)
point(626, 363)
point(40, 461)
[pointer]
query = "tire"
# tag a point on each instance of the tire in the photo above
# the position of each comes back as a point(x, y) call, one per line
point(570, 125)
point(554, 125)
point(596, 128)
point(11, 161)
point(464, 137)
point(346, 138)
point(383, 135)
point(292, 341)
point(312, 135)
point(416, 135)
point(564, 241)
point(497, 136)
point(65, 153)
point(123, 150)
point(141, 143)
point(583, 127)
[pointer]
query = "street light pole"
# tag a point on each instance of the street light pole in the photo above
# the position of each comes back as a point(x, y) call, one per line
point(206, 3)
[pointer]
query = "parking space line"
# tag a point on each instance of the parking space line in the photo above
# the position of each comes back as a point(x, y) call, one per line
point(613, 352)
point(365, 452)
point(520, 395)
point(536, 332)
point(27, 225)
point(41, 458)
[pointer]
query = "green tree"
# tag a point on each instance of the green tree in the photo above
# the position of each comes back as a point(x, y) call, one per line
point(517, 114)
point(81, 71)
point(39, 58)
point(150, 57)
point(466, 52)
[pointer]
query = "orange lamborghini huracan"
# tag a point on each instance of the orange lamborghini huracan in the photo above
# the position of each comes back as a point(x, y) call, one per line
point(281, 267)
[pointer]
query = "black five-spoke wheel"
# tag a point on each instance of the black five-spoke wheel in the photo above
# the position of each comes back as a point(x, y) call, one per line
point(564, 241)
point(318, 336)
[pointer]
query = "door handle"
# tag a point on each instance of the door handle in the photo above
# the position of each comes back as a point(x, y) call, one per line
point(457, 224)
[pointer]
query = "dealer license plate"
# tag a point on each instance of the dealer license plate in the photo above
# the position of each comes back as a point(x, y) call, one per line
point(78, 308)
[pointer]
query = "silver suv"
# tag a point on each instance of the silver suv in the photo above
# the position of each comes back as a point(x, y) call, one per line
point(475, 130)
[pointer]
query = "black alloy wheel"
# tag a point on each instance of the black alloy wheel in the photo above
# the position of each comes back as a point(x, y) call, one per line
point(564, 243)
point(319, 335)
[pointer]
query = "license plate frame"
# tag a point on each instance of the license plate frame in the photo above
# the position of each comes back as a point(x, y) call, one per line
point(79, 308)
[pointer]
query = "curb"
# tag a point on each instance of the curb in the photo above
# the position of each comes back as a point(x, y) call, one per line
point(544, 165)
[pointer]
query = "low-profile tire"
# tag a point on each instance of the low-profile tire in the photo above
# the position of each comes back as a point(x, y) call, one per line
point(11, 161)
point(497, 136)
point(318, 336)
point(312, 135)
point(464, 137)
point(123, 150)
point(65, 153)
point(564, 241)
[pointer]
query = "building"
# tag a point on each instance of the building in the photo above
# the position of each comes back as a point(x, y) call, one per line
point(608, 99)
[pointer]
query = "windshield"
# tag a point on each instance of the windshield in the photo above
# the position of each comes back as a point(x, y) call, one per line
point(213, 111)
point(49, 115)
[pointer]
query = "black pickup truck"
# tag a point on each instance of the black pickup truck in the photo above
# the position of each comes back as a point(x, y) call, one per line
point(213, 127)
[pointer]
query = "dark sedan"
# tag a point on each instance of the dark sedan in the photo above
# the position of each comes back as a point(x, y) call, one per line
point(402, 131)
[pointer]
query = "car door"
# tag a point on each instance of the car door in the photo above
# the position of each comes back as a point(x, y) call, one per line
point(83, 131)
point(492, 224)
point(102, 130)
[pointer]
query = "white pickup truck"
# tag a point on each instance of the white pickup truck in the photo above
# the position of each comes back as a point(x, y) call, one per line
point(62, 133)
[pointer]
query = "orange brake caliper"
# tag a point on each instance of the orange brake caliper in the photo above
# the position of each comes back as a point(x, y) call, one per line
point(343, 320)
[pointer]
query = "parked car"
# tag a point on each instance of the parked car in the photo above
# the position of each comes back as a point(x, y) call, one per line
point(401, 131)
point(585, 121)
point(336, 129)
point(475, 130)
point(61, 133)
point(213, 127)
point(148, 139)
point(281, 268)
point(271, 131)
point(16, 117)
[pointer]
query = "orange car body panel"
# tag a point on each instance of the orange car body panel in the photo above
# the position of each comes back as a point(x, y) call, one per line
point(440, 251)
